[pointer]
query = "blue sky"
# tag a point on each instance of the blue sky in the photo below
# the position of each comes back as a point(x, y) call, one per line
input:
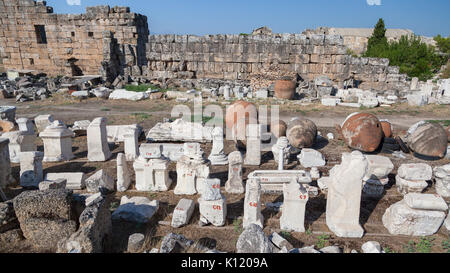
point(424, 17)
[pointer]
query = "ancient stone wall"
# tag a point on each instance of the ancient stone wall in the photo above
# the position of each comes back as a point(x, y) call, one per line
point(33, 37)
point(265, 58)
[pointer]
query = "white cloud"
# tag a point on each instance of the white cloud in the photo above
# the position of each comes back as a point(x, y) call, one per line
point(374, 2)
point(78, 2)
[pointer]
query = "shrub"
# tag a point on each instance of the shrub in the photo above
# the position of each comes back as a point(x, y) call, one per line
point(443, 44)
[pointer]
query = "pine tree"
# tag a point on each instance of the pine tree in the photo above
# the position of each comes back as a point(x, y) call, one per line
point(378, 41)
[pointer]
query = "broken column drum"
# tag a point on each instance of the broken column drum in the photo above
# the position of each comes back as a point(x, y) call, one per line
point(98, 149)
point(57, 143)
point(344, 196)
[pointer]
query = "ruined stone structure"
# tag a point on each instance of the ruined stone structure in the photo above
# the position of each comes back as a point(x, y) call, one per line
point(357, 39)
point(114, 41)
point(270, 57)
point(33, 37)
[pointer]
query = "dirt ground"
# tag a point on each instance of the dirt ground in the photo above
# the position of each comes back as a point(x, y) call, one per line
point(148, 113)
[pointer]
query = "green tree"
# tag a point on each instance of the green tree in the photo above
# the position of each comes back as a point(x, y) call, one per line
point(443, 44)
point(378, 41)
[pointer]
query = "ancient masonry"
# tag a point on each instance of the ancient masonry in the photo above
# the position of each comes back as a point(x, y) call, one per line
point(115, 41)
point(32, 37)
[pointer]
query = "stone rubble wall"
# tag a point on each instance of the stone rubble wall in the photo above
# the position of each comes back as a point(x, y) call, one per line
point(71, 38)
point(262, 59)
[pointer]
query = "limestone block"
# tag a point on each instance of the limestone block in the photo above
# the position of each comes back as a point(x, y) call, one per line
point(123, 173)
point(75, 181)
point(415, 171)
point(25, 125)
point(135, 242)
point(425, 202)
point(98, 149)
point(400, 219)
point(379, 167)
point(371, 247)
point(211, 191)
point(122, 94)
point(213, 212)
point(19, 142)
point(191, 174)
point(5, 164)
point(183, 213)
point(234, 183)
point(53, 185)
point(131, 143)
point(136, 209)
point(253, 155)
point(442, 175)
point(344, 196)
point(282, 145)
point(43, 121)
point(407, 186)
point(311, 158)
point(253, 240)
point(31, 173)
point(100, 181)
point(252, 204)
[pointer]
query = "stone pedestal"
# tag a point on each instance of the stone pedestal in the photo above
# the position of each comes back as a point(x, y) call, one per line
point(213, 212)
point(25, 125)
point(344, 196)
point(253, 155)
point(218, 157)
point(252, 204)
point(98, 149)
point(234, 184)
point(43, 121)
point(19, 142)
point(152, 174)
point(294, 206)
point(131, 143)
point(442, 175)
point(192, 170)
point(377, 175)
point(31, 173)
point(57, 143)
point(412, 178)
point(5, 163)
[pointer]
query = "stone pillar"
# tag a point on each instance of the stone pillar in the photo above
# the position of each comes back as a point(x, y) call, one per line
point(123, 174)
point(19, 142)
point(192, 170)
point(43, 121)
point(57, 142)
point(294, 207)
point(98, 149)
point(152, 171)
point(31, 173)
point(218, 157)
point(344, 196)
point(252, 204)
point(131, 143)
point(253, 155)
point(5, 164)
point(212, 204)
point(234, 184)
point(25, 125)
point(282, 144)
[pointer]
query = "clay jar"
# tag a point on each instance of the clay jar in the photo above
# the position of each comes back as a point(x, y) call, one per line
point(363, 132)
point(238, 116)
point(285, 89)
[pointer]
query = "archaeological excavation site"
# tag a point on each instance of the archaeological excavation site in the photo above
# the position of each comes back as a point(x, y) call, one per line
point(117, 140)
